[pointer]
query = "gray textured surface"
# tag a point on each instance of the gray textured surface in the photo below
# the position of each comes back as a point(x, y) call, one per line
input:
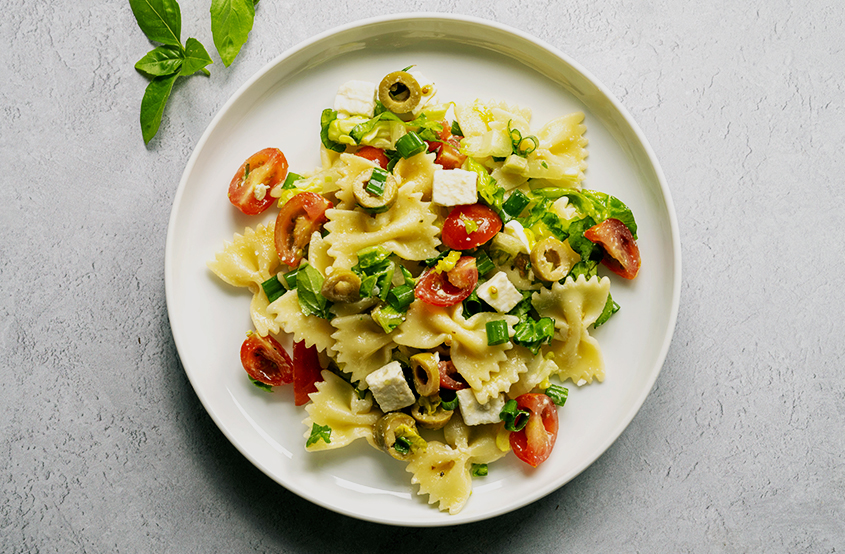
point(739, 448)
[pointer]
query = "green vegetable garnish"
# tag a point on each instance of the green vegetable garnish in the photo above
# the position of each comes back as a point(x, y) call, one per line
point(558, 394)
point(319, 432)
point(515, 203)
point(610, 308)
point(410, 145)
point(326, 119)
point(290, 181)
point(514, 418)
point(497, 332)
point(273, 289)
point(260, 385)
point(309, 281)
point(231, 22)
point(478, 470)
point(377, 181)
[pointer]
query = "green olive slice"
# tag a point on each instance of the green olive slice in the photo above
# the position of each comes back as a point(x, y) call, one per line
point(374, 203)
point(399, 92)
point(426, 373)
point(393, 427)
point(552, 259)
point(342, 286)
point(429, 418)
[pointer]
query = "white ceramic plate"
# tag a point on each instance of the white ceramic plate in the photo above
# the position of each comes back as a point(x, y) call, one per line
point(280, 106)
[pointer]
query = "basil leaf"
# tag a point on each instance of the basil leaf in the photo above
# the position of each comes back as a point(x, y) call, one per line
point(161, 20)
point(610, 308)
point(161, 60)
point(231, 22)
point(152, 105)
point(260, 385)
point(196, 58)
point(309, 281)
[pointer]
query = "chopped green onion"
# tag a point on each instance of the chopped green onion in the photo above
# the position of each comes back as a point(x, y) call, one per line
point(409, 67)
point(473, 304)
point(393, 156)
point(402, 445)
point(433, 261)
point(452, 403)
point(385, 282)
point(545, 165)
point(319, 432)
point(410, 144)
point(515, 203)
point(558, 394)
point(497, 332)
point(260, 385)
point(515, 135)
point(409, 278)
point(290, 180)
point(514, 418)
point(290, 279)
point(479, 470)
point(524, 151)
point(273, 288)
point(246, 171)
point(456, 129)
point(377, 181)
point(499, 158)
point(401, 297)
point(483, 263)
point(372, 255)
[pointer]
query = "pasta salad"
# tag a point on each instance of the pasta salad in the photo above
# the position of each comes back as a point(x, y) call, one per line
point(436, 273)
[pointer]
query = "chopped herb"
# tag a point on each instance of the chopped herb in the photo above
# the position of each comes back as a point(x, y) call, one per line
point(326, 119)
point(610, 308)
point(309, 281)
point(497, 332)
point(558, 394)
point(514, 418)
point(479, 470)
point(456, 129)
point(319, 432)
point(273, 289)
point(260, 385)
point(290, 181)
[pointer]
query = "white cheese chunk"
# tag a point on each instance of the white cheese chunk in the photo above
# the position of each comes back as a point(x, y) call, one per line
point(259, 191)
point(479, 414)
point(453, 187)
point(500, 293)
point(356, 97)
point(389, 388)
point(581, 382)
point(516, 229)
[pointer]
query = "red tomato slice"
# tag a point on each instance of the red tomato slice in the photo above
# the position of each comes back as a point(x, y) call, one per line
point(306, 372)
point(447, 381)
point(449, 151)
point(265, 360)
point(439, 289)
point(622, 253)
point(299, 217)
point(485, 221)
point(374, 155)
point(534, 443)
point(267, 168)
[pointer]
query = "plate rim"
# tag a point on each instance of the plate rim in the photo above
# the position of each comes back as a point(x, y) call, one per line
point(578, 68)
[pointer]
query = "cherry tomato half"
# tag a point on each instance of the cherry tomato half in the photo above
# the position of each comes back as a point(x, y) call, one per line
point(447, 289)
point(247, 191)
point(306, 372)
point(299, 217)
point(449, 151)
point(449, 376)
point(373, 154)
point(622, 255)
point(534, 443)
point(483, 222)
point(265, 360)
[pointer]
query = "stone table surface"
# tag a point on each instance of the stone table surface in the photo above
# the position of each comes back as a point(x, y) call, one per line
point(104, 447)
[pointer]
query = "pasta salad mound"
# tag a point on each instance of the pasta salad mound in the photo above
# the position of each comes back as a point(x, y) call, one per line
point(436, 273)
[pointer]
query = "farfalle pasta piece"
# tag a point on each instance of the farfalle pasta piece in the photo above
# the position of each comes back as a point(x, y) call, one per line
point(509, 372)
point(417, 172)
point(406, 229)
point(488, 124)
point(337, 405)
point(315, 331)
point(247, 261)
point(428, 326)
point(351, 169)
point(318, 255)
point(560, 158)
point(539, 370)
point(575, 305)
point(362, 346)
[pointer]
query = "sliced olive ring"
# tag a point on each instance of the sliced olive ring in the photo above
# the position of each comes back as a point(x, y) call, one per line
point(399, 92)
point(428, 419)
point(552, 259)
point(374, 203)
point(385, 435)
point(342, 286)
point(426, 373)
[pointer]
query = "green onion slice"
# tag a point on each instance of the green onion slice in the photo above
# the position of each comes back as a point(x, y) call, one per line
point(515, 203)
point(410, 144)
point(558, 394)
point(483, 263)
point(514, 418)
point(377, 181)
point(497, 332)
point(273, 288)
point(451, 403)
point(290, 279)
point(401, 297)
point(479, 470)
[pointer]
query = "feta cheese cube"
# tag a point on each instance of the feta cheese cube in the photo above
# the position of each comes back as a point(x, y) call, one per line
point(500, 293)
point(453, 187)
point(356, 97)
point(389, 388)
point(259, 191)
point(479, 414)
point(516, 229)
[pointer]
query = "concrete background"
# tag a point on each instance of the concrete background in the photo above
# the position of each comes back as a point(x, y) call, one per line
point(104, 446)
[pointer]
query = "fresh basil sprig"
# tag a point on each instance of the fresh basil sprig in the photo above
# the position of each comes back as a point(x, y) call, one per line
point(161, 21)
